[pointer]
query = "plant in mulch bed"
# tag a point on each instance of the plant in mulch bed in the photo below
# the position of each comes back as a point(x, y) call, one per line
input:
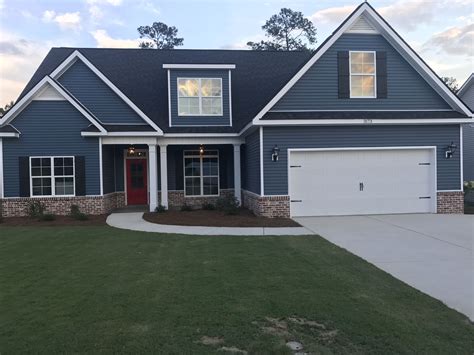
point(36, 209)
point(208, 206)
point(160, 209)
point(229, 204)
point(186, 208)
point(77, 214)
point(47, 217)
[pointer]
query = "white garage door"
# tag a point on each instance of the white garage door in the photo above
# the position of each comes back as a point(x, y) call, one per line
point(357, 182)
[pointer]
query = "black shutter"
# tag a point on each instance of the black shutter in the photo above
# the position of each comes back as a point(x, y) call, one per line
point(343, 74)
point(80, 175)
point(381, 75)
point(24, 165)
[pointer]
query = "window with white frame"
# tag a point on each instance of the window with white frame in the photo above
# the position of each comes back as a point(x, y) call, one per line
point(362, 74)
point(201, 173)
point(52, 176)
point(199, 96)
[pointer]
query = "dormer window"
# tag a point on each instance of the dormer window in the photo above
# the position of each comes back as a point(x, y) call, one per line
point(362, 74)
point(199, 96)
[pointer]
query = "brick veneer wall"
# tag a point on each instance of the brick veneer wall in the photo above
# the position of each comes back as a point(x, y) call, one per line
point(266, 206)
point(176, 198)
point(451, 202)
point(18, 207)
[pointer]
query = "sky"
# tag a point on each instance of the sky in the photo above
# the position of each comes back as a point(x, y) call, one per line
point(441, 31)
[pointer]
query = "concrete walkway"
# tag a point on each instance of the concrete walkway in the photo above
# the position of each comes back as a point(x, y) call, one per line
point(432, 253)
point(134, 221)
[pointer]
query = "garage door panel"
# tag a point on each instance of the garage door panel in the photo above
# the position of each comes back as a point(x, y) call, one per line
point(354, 182)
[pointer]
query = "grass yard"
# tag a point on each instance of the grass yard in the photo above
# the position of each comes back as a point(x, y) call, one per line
point(98, 289)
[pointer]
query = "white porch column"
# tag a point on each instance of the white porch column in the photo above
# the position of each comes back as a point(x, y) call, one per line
point(237, 182)
point(164, 175)
point(153, 176)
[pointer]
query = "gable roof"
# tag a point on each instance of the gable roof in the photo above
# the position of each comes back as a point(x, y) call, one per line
point(371, 17)
point(469, 81)
point(24, 101)
point(140, 76)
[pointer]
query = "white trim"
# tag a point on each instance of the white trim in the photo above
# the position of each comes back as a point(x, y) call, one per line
point(368, 110)
point(373, 16)
point(52, 175)
point(164, 175)
point(120, 134)
point(194, 135)
point(2, 187)
point(200, 97)
point(450, 190)
point(367, 122)
point(25, 101)
point(77, 55)
point(198, 66)
point(101, 168)
point(128, 140)
point(358, 74)
point(230, 98)
point(262, 184)
point(9, 135)
point(169, 99)
point(152, 177)
point(198, 141)
point(237, 174)
point(465, 84)
point(461, 156)
point(430, 147)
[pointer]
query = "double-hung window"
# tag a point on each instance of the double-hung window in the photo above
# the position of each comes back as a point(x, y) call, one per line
point(362, 74)
point(52, 176)
point(201, 173)
point(199, 96)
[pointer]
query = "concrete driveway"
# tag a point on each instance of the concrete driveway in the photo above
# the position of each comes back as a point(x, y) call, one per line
point(433, 253)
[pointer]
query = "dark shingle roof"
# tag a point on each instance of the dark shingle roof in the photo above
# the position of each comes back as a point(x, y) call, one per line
point(139, 74)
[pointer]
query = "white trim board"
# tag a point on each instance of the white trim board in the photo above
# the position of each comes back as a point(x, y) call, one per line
point(465, 84)
point(369, 14)
point(198, 66)
point(66, 64)
point(26, 100)
point(364, 122)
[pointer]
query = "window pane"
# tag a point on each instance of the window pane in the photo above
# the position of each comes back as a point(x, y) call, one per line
point(69, 162)
point(356, 57)
point(68, 170)
point(41, 186)
point(368, 88)
point(368, 58)
point(188, 87)
point(192, 167)
point(356, 68)
point(216, 87)
point(45, 162)
point(211, 106)
point(368, 69)
point(58, 171)
point(193, 186)
point(188, 106)
point(35, 162)
point(210, 186)
point(209, 166)
point(64, 186)
point(35, 171)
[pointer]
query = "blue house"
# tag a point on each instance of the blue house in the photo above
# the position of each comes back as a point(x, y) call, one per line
point(360, 126)
point(466, 93)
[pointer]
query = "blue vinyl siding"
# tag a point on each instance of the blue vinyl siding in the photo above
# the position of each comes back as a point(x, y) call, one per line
point(176, 120)
point(93, 93)
point(50, 128)
point(251, 171)
point(468, 152)
point(318, 88)
point(108, 168)
point(276, 173)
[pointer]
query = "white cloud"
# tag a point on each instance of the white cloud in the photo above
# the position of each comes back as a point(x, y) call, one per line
point(331, 15)
point(149, 6)
point(65, 21)
point(104, 40)
point(96, 13)
point(105, 2)
point(453, 41)
point(242, 44)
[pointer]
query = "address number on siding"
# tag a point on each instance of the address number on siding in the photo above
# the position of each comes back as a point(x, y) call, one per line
point(367, 120)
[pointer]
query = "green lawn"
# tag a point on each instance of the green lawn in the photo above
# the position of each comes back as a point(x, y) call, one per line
point(98, 289)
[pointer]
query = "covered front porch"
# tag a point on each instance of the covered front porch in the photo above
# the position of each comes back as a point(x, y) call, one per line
point(170, 172)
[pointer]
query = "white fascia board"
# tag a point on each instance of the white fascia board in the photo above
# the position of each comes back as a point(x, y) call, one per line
point(198, 66)
point(120, 134)
point(9, 135)
point(199, 141)
point(379, 22)
point(25, 101)
point(364, 122)
point(466, 84)
point(77, 55)
point(203, 135)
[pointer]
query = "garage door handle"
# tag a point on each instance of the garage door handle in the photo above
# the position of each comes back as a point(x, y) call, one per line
point(295, 166)
point(424, 197)
point(361, 186)
point(296, 200)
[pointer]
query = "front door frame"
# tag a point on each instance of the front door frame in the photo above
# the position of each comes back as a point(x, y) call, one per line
point(125, 157)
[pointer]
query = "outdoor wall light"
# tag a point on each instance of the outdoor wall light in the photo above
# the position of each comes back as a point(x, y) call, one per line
point(131, 150)
point(450, 150)
point(201, 149)
point(275, 153)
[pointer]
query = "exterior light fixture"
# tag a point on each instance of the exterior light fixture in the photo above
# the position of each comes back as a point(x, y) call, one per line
point(450, 150)
point(275, 153)
point(131, 150)
point(201, 149)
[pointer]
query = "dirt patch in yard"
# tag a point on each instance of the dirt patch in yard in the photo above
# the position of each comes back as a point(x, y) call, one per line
point(98, 220)
point(244, 218)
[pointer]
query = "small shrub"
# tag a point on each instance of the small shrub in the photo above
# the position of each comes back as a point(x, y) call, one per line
point(229, 205)
point(160, 209)
point(208, 206)
point(186, 208)
point(36, 209)
point(77, 214)
point(46, 217)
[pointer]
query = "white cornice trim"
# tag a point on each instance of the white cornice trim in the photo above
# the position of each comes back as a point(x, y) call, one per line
point(364, 122)
point(198, 66)
point(77, 55)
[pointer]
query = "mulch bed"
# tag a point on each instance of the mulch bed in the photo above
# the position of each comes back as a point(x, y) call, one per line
point(244, 218)
point(58, 221)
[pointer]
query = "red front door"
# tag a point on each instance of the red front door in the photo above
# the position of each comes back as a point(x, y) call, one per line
point(137, 191)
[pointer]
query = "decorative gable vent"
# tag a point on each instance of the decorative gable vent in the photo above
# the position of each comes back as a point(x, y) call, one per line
point(362, 25)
